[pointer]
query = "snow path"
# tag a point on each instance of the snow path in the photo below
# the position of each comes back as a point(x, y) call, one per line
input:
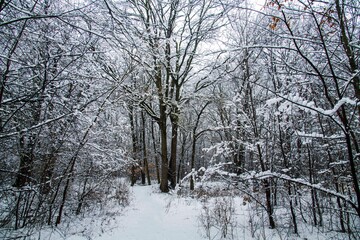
point(156, 216)
point(152, 215)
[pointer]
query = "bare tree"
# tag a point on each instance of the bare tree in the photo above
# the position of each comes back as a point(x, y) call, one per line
point(170, 35)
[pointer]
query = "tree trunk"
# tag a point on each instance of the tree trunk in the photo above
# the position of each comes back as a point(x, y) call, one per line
point(180, 169)
point(292, 210)
point(47, 173)
point(348, 50)
point(145, 164)
point(66, 188)
point(26, 161)
point(173, 156)
point(155, 153)
point(133, 175)
point(192, 164)
point(164, 187)
point(269, 207)
point(164, 161)
point(134, 140)
point(267, 187)
point(312, 191)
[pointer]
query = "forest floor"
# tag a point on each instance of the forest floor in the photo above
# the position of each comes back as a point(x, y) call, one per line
point(155, 216)
point(152, 215)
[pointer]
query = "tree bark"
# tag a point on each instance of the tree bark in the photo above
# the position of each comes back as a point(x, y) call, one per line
point(192, 165)
point(155, 153)
point(164, 187)
point(23, 176)
point(134, 141)
point(173, 156)
point(145, 163)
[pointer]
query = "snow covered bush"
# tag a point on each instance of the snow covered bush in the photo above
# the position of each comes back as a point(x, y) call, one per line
point(217, 218)
point(122, 194)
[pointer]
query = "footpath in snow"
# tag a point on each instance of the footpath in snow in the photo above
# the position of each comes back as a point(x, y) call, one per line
point(154, 216)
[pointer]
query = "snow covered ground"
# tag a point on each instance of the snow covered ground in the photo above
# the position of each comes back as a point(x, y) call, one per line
point(156, 216)
point(152, 215)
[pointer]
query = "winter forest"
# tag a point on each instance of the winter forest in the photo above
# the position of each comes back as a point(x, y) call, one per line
point(232, 106)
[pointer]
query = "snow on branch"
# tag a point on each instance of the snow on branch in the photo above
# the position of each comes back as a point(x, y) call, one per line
point(217, 169)
point(300, 181)
point(317, 135)
point(306, 105)
point(338, 105)
point(207, 173)
point(35, 126)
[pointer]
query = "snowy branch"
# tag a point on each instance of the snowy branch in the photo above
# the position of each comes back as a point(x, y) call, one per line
point(269, 174)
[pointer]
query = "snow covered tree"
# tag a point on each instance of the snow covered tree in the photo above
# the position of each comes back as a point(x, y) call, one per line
point(165, 39)
point(321, 37)
point(52, 97)
point(294, 102)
